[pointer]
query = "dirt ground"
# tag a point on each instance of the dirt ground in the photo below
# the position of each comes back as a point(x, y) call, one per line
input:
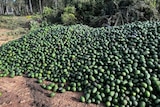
point(25, 92)
point(3, 36)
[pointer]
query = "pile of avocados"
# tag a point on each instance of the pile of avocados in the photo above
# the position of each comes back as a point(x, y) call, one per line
point(118, 66)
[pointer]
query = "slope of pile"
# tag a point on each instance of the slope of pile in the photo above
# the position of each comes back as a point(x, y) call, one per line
point(116, 65)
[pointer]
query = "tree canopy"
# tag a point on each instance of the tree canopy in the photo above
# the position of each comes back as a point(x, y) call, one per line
point(91, 12)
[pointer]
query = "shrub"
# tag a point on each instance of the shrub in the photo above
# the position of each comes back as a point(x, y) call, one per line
point(47, 12)
point(70, 9)
point(50, 14)
point(37, 17)
point(68, 17)
point(34, 25)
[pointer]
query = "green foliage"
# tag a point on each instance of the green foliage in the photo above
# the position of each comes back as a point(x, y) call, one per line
point(70, 9)
point(50, 14)
point(117, 66)
point(68, 17)
point(47, 12)
point(34, 25)
point(152, 3)
point(36, 17)
point(119, 11)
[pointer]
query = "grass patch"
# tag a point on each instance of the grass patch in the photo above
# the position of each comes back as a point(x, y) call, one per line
point(13, 22)
point(14, 25)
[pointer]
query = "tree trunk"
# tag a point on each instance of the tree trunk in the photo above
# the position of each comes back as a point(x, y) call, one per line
point(1, 8)
point(56, 5)
point(30, 6)
point(40, 6)
point(19, 9)
point(7, 11)
point(27, 9)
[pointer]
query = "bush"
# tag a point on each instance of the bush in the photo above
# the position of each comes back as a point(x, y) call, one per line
point(37, 17)
point(70, 9)
point(68, 17)
point(50, 14)
point(34, 25)
point(47, 12)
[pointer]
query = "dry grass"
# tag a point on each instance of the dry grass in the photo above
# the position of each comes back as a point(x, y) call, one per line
point(14, 25)
point(13, 22)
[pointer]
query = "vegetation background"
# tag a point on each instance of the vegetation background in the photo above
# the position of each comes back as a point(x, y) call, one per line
point(94, 13)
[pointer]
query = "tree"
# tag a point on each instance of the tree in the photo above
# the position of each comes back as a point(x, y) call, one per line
point(40, 6)
point(68, 17)
point(20, 7)
point(2, 7)
point(6, 10)
point(30, 6)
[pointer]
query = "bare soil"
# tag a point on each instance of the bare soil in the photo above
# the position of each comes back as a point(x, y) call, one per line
point(26, 92)
point(4, 38)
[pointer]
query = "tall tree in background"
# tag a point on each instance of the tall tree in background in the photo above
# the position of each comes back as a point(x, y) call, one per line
point(2, 7)
point(56, 4)
point(30, 6)
point(40, 6)
point(19, 6)
point(6, 5)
